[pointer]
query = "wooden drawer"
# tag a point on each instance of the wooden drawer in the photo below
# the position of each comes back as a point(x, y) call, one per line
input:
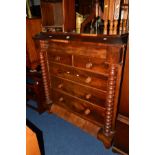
point(89, 49)
point(86, 93)
point(83, 77)
point(60, 57)
point(91, 63)
point(79, 48)
point(60, 46)
point(78, 106)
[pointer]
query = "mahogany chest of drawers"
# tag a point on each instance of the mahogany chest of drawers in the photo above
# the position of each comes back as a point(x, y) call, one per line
point(82, 74)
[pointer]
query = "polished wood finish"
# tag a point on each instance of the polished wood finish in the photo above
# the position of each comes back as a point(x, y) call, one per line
point(43, 61)
point(110, 99)
point(58, 15)
point(32, 146)
point(80, 91)
point(124, 96)
point(78, 106)
point(78, 121)
point(124, 17)
point(79, 76)
point(91, 64)
point(98, 88)
point(121, 140)
point(34, 140)
point(33, 26)
point(35, 90)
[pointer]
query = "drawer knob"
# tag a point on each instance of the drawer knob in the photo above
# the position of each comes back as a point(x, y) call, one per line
point(61, 99)
point(88, 96)
point(88, 80)
point(89, 65)
point(87, 111)
point(57, 58)
point(67, 37)
point(60, 85)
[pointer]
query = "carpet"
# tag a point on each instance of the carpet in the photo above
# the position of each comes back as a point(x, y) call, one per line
point(63, 138)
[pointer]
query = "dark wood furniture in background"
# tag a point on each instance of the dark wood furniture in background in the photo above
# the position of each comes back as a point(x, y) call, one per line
point(82, 75)
point(121, 139)
point(84, 7)
point(33, 26)
point(34, 140)
point(34, 84)
point(35, 90)
point(58, 15)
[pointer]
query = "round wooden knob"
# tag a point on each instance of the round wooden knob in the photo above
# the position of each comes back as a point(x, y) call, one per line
point(88, 96)
point(57, 58)
point(87, 111)
point(60, 85)
point(37, 83)
point(67, 37)
point(61, 99)
point(88, 80)
point(89, 65)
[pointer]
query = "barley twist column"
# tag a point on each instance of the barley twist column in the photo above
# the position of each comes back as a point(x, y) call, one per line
point(110, 100)
point(43, 59)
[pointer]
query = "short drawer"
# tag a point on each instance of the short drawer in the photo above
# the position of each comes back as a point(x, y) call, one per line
point(82, 108)
point(83, 77)
point(89, 94)
point(60, 57)
point(91, 63)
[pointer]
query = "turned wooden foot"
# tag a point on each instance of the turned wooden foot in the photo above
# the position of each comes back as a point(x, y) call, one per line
point(106, 139)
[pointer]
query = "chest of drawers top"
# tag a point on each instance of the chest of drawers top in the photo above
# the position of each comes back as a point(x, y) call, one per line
point(94, 46)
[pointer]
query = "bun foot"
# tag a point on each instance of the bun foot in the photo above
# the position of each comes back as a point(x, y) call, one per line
point(106, 139)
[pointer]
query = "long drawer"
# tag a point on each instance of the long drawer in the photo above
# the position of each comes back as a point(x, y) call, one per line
point(80, 76)
point(92, 95)
point(79, 48)
point(80, 107)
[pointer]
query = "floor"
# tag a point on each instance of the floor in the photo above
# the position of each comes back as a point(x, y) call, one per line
point(63, 138)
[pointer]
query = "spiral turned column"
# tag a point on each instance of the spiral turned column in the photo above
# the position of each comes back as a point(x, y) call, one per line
point(110, 100)
point(44, 47)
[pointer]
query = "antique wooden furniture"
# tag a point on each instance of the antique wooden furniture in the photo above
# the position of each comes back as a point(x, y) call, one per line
point(35, 90)
point(34, 84)
point(82, 75)
point(34, 140)
point(58, 15)
point(32, 146)
point(33, 26)
point(121, 139)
